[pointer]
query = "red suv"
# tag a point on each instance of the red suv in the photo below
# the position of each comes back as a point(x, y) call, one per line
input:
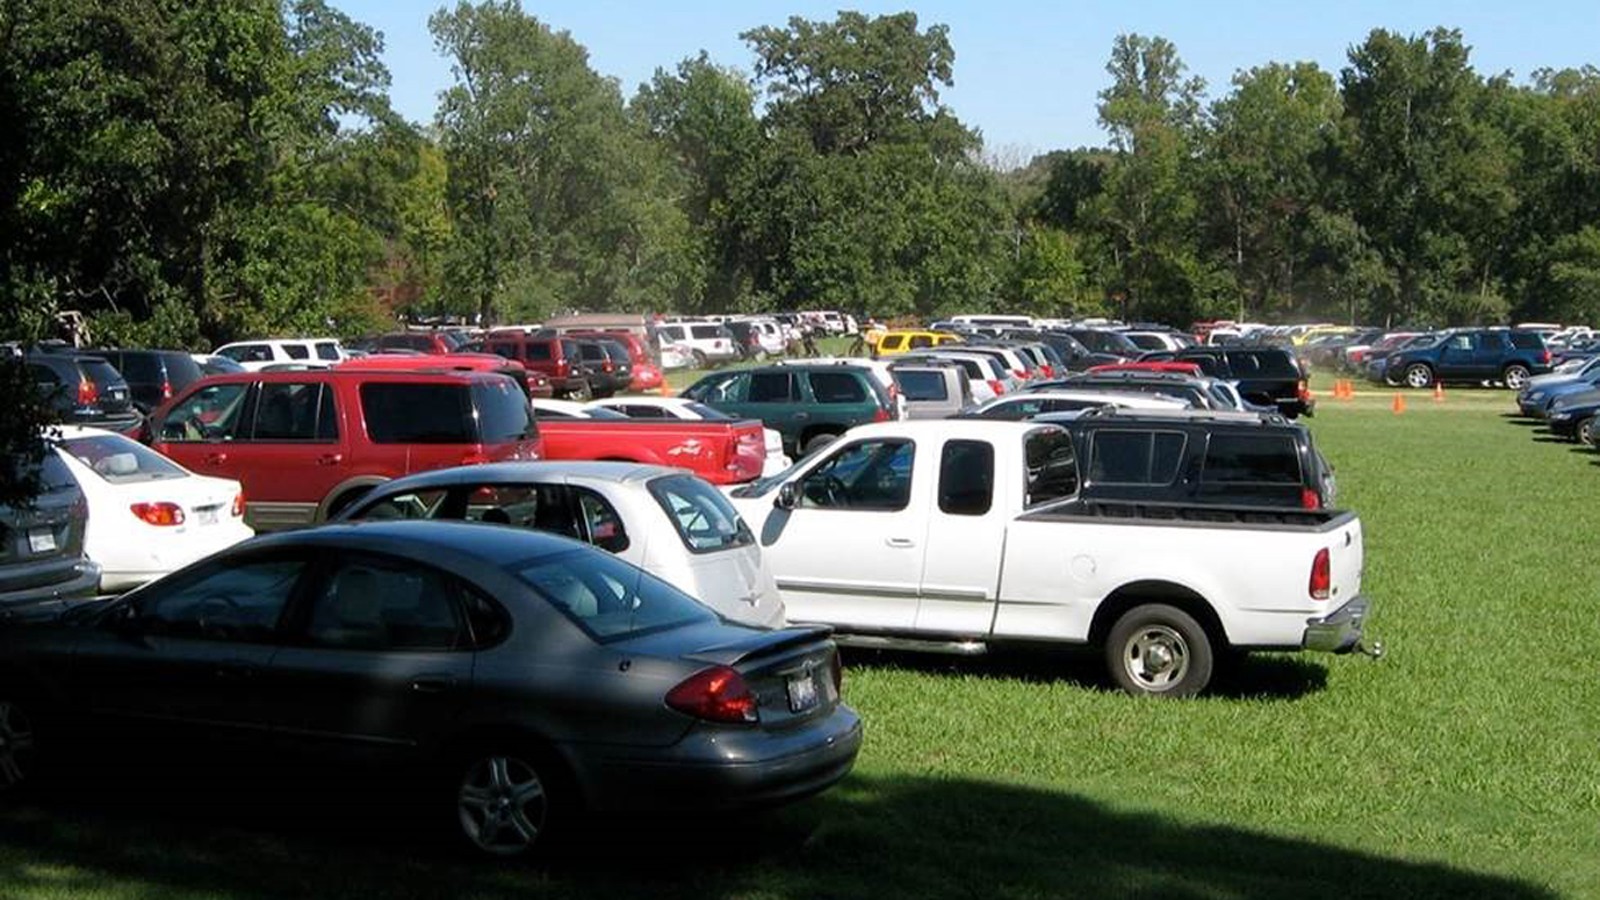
point(558, 358)
point(305, 444)
point(646, 374)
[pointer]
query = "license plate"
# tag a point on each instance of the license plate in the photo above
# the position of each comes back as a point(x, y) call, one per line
point(41, 540)
point(802, 692)
point(206, 516)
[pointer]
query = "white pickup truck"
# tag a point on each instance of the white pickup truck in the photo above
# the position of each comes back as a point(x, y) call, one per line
point(950, 535)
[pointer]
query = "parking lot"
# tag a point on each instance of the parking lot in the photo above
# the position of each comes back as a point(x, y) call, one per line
point(1464, 764)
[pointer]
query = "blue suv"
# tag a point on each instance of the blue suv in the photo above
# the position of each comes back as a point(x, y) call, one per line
point(1472, 355)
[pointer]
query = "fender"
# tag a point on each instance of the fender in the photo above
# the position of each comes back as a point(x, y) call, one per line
point(354, 482)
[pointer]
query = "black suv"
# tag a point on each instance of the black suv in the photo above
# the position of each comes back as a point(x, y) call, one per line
point(1198, 456)
point(153, 376)
point(41, 549)
point(83, 389)
point(1267, 376)
point(608, 365)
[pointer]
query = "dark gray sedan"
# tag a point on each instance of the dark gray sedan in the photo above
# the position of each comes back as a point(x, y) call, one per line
point(537, 674)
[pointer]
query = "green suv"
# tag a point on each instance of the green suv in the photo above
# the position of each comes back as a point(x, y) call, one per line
point(809, 405)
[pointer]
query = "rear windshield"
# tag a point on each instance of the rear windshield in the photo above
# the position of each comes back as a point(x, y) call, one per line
point(1136, 457)
point(922, 385)
point(120, 461)
point(705, 521)
point(1252, 459)
point(418, 413)
point(1269, 363)
point(608, 598)
point(1527, 340)
point(99, 371)
point(140, 366)
point(1052, 467)
point(503, 414)
point(1146, 341)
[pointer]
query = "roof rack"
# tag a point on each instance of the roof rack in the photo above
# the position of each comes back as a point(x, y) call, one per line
point(1234, 416)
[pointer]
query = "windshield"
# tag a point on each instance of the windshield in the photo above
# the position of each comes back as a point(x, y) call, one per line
point(608, 598)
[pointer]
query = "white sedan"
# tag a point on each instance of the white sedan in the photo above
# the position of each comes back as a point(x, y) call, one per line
point(147, 515)
point(646, 407)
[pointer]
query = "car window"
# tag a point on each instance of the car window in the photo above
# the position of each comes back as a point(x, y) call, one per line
point(870, 475)
point(837, 387)
point(639, 411)
point(225, 601)
point(144, 367)
point(922, 385)
point(503, 412)
point(296, 351)
point(213, 413)
point(770, 387)
point(294, 411)
point(1252, 459)
point(388, 604)
point(708, 332)
point(247, 353)
point(43, 375)
point(1527, 340)
point(1136, 457)
point(966, 478)
point(1052, 467)
point(426, 504)
point(1459, 342)
point(118, 460)
point(399, 413)
point(705, 521)
point(608, 598)
point(327, 350)
point(725, 388)
point(601, 524)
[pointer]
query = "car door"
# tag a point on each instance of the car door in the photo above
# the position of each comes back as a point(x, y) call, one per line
point(188, 655)
point(1457, 357)
point(377, 660)
point(1490, 349)
point(850, 551)
point(294, 452)
point(965, 543)
point(203, 429)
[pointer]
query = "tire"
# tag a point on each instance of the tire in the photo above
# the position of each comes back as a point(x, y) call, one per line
point(19, 758)
point(817, 442)
point(1514, 376)
point(701, 361)
point(506, 800)
point(344, 500)
point(582, 393)
point(1157, 650)
point(1585, 431)
point(1418, 375)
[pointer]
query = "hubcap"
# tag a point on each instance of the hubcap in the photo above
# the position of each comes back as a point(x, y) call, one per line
point(1515, 378)
point(502, 805)
point(1156, 658)
point(1418, 377)
point(16, 745)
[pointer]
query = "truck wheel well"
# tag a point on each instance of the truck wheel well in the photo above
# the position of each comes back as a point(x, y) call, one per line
point(1139, 593)
point(815, 431)
point(345, 498)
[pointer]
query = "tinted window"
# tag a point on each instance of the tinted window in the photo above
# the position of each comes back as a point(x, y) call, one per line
point(708, 332)
point(837, 387)
point(569, 350)
point(296, 351)
point(922, 385)
point(101, 372)
point(327, 350)
point(1146, 341)
point(43, 375)
point(119, 460)
point(601, 524)
point(214, 413)
point(409, 505)
point(139, 366)
point(418, 413)
point(770, 387)
point(608, 598)
point(636, 411)
point(871, 475)
point(1136, 457)
point(966, 478)
point(1527, 340)
point(1052, 467)
point(294, 412)
point(704, 519)
point(225, 601)
point(503, 413)
point(247, 353)
point(592, 352)
point(388, 605)
point(1252, 459)
point(1273, 364)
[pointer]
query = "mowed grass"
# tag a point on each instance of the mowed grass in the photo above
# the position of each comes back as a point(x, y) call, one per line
point(1465, 764)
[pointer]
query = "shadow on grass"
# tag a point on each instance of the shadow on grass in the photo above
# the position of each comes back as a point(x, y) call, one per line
point(1261, 676)
point(872, 837)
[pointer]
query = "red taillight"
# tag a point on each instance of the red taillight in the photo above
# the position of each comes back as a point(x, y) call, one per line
point(238, 504)
point(162, 514)
point(717, 694)
point(882, 414)
point(1020, 373)
point(1048, 370)
point(998, 386)
point(1545, 357)
point(1302, 391)
point(166, 390)
point(563, 369)
point(1310, 499)
point(88, 394)
point(1321, 576)
point(610, 366)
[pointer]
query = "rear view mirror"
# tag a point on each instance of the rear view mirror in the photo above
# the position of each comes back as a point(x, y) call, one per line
point(788, 496)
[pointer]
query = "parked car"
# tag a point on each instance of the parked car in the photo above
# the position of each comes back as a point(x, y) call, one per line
point(1265, 376)
point(1572, 416)
point(997, 546)
point(1158, 340)
point(646, 372)
point(1073, 354)
point(809, 405)
point(986, 378)
point(644, 407)
point(757, 338)
point(1474, 356)
point(932, 390)
point(707, 342)
point(534, 384)
point(728, 450)
point(257, 355)
point(1196, 392)
point(211, 364)
point(148, 516)
point(430, 342)
point(893, 343)
point(672, 524)
point(1111, 343)
point(399, 646)
point(1541, 392)
point(305, 444)
point(1027, 404)
point(879, 369)
point(607, 365)
point(83, 389)
point(557, 358)
point(42, 562)
point(1198, 456)
point(153, 376)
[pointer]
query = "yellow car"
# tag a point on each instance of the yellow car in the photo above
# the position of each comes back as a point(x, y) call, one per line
point(1315, 330)
point(894, 343)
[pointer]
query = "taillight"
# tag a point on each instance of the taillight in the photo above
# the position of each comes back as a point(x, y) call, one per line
point(717, 694)
point(1048, 370)
point(563, 369)
point(88, 394)
point(881, 414)
point(998, 386)
point(1321, 586)
point(162, 514)
point(1302, 391)
point(1020, 373)
point(610, 367)
point(1545, 357)
point(166, 389)
point(1310, 499)
point(238, 504)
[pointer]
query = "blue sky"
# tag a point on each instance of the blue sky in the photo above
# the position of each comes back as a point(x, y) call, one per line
point(1027, 71)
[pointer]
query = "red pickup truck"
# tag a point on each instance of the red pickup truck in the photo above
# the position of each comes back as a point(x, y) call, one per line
point(721, 452)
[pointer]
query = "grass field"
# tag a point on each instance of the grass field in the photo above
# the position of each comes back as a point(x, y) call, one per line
point(1466, 764)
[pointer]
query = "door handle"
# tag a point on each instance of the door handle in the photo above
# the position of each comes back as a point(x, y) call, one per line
point(216, 459)
point(900, 542)
point(432, 684)
point(330, 459)
point(802, 415)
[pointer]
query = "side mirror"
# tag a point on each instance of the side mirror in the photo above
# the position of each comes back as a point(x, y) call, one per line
point(788, 496)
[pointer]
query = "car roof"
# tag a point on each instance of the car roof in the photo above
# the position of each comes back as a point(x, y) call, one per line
point(1224, 416)
point(977, 429)
point(546, 471)
point(474, 540)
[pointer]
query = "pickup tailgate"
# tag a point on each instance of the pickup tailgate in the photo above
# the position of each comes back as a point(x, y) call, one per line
point(720, 452)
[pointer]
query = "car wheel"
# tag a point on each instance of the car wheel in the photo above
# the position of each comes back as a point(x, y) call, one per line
point(1418, 376)
point(1586, 431)
point(583, 393)
point(1515, 376)
point(701, 361)
point(503, 801)
point(18, 746)
point(1160, 651)
point(817, 442)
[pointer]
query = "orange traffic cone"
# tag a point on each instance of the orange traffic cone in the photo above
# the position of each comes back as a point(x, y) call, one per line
point(1399, 405)
point(1438, 392)
point(1345, 392)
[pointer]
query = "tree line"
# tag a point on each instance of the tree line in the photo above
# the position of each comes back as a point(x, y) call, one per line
point(194, 171)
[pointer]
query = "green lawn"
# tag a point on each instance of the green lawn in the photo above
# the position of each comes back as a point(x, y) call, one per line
point(1466, 764)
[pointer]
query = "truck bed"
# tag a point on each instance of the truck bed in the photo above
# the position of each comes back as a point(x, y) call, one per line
point(1126, 512)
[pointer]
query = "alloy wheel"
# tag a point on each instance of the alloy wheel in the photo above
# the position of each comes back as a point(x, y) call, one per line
point(1418, 376)
point(502, 805)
